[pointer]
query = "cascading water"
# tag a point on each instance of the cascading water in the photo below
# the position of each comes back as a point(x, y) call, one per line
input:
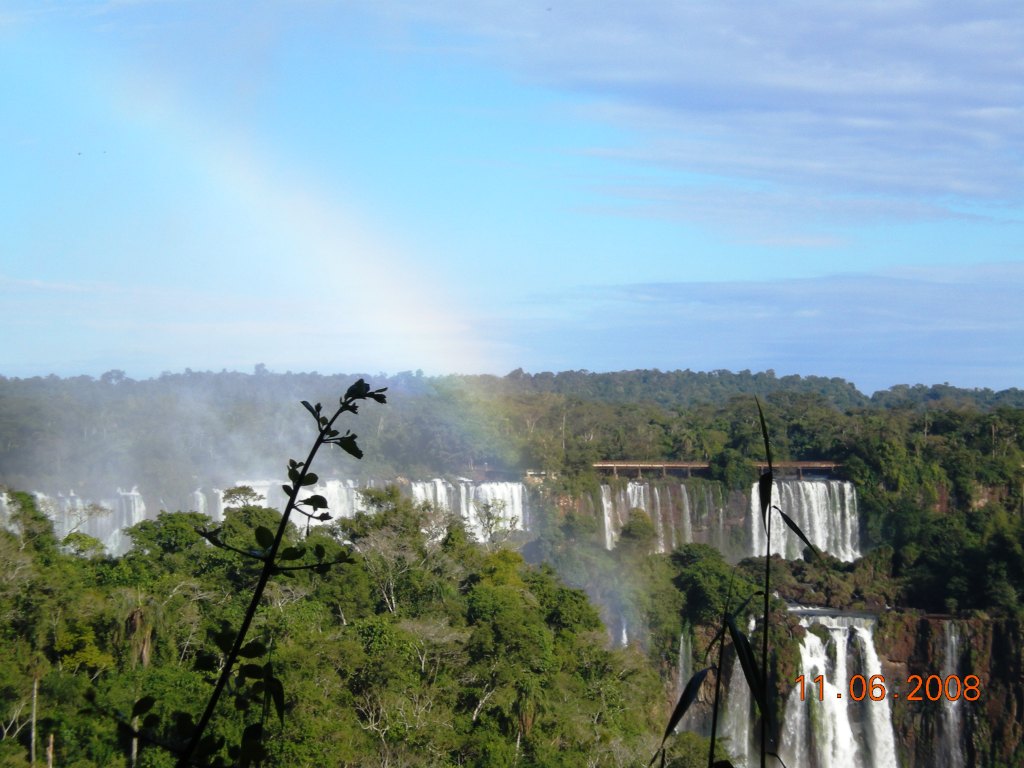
point(737, 724)
point(673, 521)
point(344, 497)
point(104, 521)
point(827, 728)
point(950, 751)
point(608, 512)
point(825, 510)
point(508, 500)
point(685, 664)
point(685, 519)
point(739, 718)
point(5, 511)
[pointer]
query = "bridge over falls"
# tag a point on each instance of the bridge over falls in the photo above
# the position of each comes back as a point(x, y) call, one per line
point(688, 467)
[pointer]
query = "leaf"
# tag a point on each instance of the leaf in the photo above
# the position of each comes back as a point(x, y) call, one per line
point(151, 721)
point(323, 516)
point(347, 443)
point(689, 696)
point(252, 649)
point(319, 552)
point(211, 536)
point(310, 479)
point(315, 501)
point(749, 664)
point(225, 638)
point(143, 705)
point(264, 537)
point(293, 474)
point(796, 529)
point(312, 410)
point(252, 745)
point(254, 671)
point(204, 662)
point(764, 434)
point(276, 691)
point(208, 745)
point(293, 553)
point(287, 490)
point(357, 391)
point(764, 493)
point(184, 725)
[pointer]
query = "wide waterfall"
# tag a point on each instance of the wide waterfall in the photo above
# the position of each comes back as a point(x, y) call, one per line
point(681, 513)
point(825, 510)
point(104, 520)
point(695, 511)
point(827, 728)
point(465, 498)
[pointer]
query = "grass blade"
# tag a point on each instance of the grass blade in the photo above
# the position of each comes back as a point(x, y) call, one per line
point(796, 529)
point(749, 664)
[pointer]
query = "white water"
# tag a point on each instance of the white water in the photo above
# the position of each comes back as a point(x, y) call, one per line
point(466, 498)
point(671, 508)
point(739, 719)
point(5, 511)
point(825, 510)
point(103, 520)
point(950, 751)
point(685, 664)
point(880, 740)
point(824, 730)
point(686, 519)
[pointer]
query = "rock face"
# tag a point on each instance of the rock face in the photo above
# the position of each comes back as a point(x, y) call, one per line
point(944, 652)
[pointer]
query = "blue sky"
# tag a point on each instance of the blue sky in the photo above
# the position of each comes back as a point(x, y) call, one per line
point(818, 188)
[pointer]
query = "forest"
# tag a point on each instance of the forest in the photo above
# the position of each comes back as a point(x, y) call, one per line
point(422, 646)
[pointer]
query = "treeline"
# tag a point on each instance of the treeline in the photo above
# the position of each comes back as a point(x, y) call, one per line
point(171, 434)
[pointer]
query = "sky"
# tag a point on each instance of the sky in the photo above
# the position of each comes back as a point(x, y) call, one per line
point(832, 189)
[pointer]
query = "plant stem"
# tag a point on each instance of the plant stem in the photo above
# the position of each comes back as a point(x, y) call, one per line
point(764, 633)
point(268, 567)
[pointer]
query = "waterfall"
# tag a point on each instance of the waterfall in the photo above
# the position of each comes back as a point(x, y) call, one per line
point(686, 517)
point(608, 511)
point(825, 510)
point(680, 513)
point(659, 524)
point(685, 664)
point(739, 718)
point(657, 503)
point(828, 728)
point(198, 502)
point(344, 498)
point(103, 521)
point(738, 721)
point(466, 498)
point(880, 740)
point(950, 750)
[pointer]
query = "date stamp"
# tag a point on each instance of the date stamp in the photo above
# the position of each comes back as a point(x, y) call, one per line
point(934, 688)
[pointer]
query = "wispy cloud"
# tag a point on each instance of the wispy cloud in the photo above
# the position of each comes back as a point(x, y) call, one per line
point(906, 101)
